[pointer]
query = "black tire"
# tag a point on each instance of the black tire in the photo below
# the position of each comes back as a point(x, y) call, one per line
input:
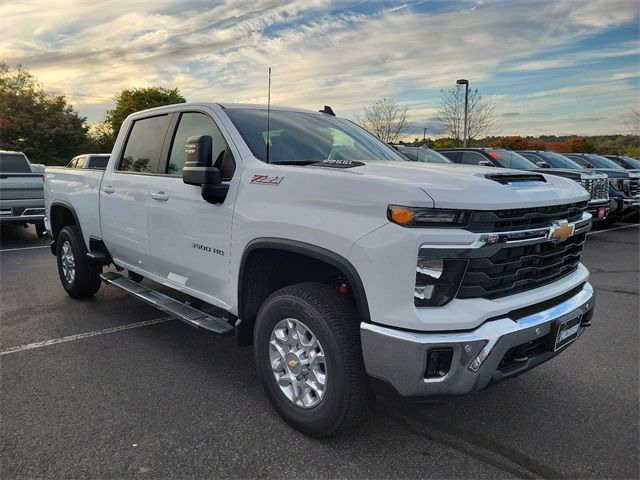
point(86, 279)
point(333, 320)
point(41, 232)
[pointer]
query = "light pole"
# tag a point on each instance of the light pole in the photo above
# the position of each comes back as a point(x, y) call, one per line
point(464, 82)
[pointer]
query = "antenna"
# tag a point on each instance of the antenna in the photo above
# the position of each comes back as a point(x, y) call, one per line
point(268, 114)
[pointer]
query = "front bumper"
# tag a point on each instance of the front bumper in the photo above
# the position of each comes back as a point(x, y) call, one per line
point(399, 358)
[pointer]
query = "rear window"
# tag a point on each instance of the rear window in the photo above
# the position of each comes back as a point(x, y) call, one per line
point(142, 152)
point(98, 161)
point(14, 163)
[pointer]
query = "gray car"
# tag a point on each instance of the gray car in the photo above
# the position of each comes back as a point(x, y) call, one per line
point(21, 191)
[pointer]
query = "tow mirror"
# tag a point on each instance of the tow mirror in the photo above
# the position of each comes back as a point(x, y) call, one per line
point(543, 165)
point(485, 163)
point(198, 169)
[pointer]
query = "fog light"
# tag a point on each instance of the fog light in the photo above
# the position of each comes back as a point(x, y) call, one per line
point(438, 362)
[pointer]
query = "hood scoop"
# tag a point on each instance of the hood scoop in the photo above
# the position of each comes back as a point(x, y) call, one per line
point(516, 179)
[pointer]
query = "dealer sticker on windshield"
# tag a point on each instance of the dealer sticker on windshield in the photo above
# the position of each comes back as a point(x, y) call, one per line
point(567, 332)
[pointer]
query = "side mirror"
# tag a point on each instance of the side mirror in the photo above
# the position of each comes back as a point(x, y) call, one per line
point(485, 163)
point(198, 169)
point(543, 165)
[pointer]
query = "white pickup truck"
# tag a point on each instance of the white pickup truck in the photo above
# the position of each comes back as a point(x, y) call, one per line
point(349, 269)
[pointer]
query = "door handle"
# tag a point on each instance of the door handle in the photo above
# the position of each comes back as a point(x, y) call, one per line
point(108, 189)
point(160, 196)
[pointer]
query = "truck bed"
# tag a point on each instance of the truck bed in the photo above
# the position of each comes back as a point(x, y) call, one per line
point(79, 188)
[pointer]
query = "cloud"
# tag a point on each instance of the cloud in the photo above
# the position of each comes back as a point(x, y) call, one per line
point(321, 52)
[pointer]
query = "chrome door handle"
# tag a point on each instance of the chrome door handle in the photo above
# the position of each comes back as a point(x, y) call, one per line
point(108, 189)
point(160, 196)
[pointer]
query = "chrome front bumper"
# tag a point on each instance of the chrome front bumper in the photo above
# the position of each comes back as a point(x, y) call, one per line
point(399, 358)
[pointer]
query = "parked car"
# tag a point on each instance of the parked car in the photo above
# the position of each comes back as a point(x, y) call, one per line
point(628, 163)
point(624, 185)
point(349, 268)
point(90, 160)
point(421, 154)
point(594, 183)
point(21, 191)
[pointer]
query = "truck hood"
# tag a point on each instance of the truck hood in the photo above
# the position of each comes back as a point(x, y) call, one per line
point(472, 187)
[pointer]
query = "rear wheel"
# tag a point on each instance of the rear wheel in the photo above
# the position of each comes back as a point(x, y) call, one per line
point(80, 276)
point(309, 359)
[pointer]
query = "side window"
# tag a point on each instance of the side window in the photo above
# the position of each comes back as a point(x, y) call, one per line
point(472, 158)
point(144, 145)
point(453, 156)
point(534, 158)
point(193, 124)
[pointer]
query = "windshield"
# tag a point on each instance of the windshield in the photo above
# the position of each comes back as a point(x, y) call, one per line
point(509, 159)
point(422, 154)
point(303, 138)
point(632, 162)
point(556, 160)
point(14, 163)
point(602, 162)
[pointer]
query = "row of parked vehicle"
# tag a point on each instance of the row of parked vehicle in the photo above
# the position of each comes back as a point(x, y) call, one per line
point(613, 181)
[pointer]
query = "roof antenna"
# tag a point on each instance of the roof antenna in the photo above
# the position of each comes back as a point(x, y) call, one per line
point(268, 114)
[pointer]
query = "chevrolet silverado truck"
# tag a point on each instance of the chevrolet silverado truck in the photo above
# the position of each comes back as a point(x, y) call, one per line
point(350, 270)
point(595, 183)
point(624, 185)
point(21, 191)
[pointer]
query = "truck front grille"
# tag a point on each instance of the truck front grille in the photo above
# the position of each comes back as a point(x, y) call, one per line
point(598, 188)
point(523, 218)
point(634, 187)
point(520, 268)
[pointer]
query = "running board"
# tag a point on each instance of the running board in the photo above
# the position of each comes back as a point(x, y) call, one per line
point(182, 311)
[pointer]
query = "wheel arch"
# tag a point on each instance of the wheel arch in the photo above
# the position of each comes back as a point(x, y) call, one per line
point(276, 249)
point(61, 214)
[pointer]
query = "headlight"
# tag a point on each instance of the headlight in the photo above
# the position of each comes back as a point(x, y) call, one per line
point(426, 217)
point(619, 184)
point(437, 280)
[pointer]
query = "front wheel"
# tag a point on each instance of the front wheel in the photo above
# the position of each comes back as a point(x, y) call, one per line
point(80, 276)
point(309, 359)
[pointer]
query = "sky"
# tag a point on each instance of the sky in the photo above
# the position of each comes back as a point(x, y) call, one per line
point(551, 66)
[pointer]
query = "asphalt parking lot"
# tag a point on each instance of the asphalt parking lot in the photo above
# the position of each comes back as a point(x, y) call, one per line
point(165, 400)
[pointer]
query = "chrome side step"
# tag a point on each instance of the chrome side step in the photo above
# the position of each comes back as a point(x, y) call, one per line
point(192, 316)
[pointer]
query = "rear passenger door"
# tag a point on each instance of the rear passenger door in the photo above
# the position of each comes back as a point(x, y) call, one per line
point(124, 194)
point(189, 238)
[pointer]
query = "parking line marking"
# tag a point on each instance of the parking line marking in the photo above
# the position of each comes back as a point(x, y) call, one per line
point(23, 248)
point(614, 228)
point(80, 336)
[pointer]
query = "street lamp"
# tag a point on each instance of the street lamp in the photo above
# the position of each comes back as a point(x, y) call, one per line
point(464, 82)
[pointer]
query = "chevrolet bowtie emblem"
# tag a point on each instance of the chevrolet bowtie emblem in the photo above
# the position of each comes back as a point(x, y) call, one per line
point(292, 363)
point(561, 230)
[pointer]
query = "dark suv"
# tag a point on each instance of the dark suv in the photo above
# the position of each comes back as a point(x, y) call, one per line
point(595, 183)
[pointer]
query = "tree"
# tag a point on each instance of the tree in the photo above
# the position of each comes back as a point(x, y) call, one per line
point(480, 114)
point(444, 143)
point(518, 143)
point(135, 99)
point(574, 144)
point(386, 119)
point(633, 123)
point(100, 137)
point(46, 129)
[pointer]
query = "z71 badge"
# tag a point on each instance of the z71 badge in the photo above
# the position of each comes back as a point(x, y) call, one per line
point(266, 180)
